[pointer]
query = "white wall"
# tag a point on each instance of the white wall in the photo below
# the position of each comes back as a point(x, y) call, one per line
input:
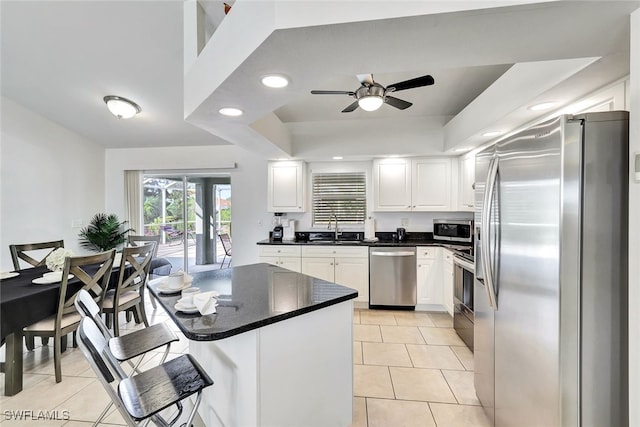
point(50, 177)
point(634, 227)
point(250, 220)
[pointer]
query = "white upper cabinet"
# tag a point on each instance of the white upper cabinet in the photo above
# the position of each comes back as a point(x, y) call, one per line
point(286, 186)
point(431, 184)
point(420, 185)
point(392, 185)
point(467, 178)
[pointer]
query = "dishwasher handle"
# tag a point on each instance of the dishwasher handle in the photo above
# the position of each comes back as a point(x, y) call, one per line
point(398, 253)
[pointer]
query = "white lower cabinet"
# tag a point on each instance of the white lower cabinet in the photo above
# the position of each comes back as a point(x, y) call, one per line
point(345, 265)
point(448, 280)
point(281, 256)
point(429, 290)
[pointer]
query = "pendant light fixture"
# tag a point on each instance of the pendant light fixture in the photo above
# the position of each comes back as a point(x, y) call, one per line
point(121, 107)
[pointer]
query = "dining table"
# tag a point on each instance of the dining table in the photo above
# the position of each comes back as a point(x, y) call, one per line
point(23, 303)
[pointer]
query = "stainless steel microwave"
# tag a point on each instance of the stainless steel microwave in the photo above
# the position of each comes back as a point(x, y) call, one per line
point(453, 230)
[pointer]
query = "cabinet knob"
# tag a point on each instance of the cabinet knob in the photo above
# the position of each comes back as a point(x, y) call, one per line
point(413, 206)
point(409, 206)
point(278, 250)
point(330, 263)
point(334, 252)
point(419, 265)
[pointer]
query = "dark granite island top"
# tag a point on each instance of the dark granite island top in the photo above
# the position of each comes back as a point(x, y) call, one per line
point(252, 296)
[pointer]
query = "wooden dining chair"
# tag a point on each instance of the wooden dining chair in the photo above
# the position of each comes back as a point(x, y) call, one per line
point(226, 245)
point(94, 272)
point(132, 281)
point(20, 252)
point(134, 240)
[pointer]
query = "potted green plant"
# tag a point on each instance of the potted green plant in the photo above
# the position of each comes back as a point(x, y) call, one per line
point(103, 233)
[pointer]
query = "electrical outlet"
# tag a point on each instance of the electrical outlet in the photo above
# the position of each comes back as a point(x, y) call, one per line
point(404, 222)
point(76, 223)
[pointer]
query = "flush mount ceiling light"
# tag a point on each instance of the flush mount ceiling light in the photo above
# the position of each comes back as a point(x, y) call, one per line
point(230, 111)
point(543, 106)
point(337, 157)
point(121, 107)
point(275, 80)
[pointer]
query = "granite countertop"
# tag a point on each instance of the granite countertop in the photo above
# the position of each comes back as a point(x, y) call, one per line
point(252, 296)
point(352, 239)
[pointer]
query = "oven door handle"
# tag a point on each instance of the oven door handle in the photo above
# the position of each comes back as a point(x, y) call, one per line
point(399, 253)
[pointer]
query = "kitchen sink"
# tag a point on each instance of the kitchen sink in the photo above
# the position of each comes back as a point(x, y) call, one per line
point(335, 242)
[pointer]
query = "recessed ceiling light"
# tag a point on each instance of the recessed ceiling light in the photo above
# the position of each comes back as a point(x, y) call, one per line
point(230, 111)
point(542, 106)
point(493, 133)
point(337, 157)
point(275, 80)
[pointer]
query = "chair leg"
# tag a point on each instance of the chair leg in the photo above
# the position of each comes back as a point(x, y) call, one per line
point(128, 314)
point(29, 341)
point(63, 343)
point(142, 313)
point(45, 340)
point(107, 319)
point(222, 263)
point(152, 299)
point(116, 323)
point(57, 342)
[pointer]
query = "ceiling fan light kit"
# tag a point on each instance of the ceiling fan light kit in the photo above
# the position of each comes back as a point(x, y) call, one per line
point(371, 95)
point(120, 107)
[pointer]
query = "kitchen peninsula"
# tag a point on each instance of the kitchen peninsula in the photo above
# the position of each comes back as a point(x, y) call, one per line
point(279, 347)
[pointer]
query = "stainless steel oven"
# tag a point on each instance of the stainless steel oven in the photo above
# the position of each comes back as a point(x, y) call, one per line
point(453, 230)
point(463, 283)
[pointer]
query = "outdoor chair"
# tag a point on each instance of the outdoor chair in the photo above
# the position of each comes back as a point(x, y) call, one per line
point(129, 292)
point(143, 396)
point(19, 252)
point(226, 245)
point(174, 235)
point(67, 318)
point(136, 343)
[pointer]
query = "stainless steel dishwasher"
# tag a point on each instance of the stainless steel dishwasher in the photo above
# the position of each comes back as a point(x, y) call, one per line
point(392, 276)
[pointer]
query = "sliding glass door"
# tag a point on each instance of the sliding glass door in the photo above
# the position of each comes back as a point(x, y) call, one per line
point(185, 210)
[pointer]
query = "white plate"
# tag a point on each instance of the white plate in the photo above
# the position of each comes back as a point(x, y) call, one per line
point(186, 309)
point(164, 290)
point(48, 280)
point(8, 275)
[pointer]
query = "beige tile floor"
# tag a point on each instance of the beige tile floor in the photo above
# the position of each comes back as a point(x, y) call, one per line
point(410, 369)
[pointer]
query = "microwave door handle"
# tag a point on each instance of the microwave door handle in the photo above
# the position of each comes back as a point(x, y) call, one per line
point(485, 242)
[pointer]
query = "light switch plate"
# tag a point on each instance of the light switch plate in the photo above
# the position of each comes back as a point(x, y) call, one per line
point(404, 222)
point(76, 223)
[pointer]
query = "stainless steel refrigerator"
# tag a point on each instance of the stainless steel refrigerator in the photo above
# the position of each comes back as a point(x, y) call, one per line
point(550, 294)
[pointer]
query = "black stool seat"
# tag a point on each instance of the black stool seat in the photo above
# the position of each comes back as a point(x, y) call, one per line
point(158, 388)
point(135, 344)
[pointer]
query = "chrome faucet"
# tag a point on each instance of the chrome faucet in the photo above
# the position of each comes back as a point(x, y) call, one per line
point(335, 219)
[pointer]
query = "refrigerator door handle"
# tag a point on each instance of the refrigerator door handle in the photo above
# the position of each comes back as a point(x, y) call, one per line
point(485, 243)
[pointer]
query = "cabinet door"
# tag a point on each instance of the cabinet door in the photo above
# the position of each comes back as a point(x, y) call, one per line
point(467, 177)
point(322, 268)
point(289, 263)
point(392, 185)
point(353, 273)
point(285, 191)
point(431, 185)
point(448, 281)
point(430, 288)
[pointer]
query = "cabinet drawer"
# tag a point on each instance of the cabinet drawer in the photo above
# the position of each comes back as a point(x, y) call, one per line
point(335, 251)
point(448, 257)
point(280, 250)
point(429, 252)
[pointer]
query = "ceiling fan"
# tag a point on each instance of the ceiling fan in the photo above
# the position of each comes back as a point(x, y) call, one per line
point(371, 95)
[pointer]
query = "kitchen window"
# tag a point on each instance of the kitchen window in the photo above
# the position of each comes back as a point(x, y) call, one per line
point(342, 194)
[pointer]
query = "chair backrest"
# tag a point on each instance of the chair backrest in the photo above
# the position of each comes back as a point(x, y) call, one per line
point(94, 271)
point(134, 276)
point(18, 252)
point(226, 242)
point(87, 307)
point(95, 348)
point(143, 240)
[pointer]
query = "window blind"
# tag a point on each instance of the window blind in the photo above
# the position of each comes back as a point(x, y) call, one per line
point(341, 193)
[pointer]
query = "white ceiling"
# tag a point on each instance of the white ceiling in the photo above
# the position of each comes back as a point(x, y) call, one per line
point(60, 58)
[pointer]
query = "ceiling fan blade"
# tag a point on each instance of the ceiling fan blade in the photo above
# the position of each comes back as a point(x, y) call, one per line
point(413, 83)
point(332, 92)
point(365, 78)
point(351, 107)
point(398, 103)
